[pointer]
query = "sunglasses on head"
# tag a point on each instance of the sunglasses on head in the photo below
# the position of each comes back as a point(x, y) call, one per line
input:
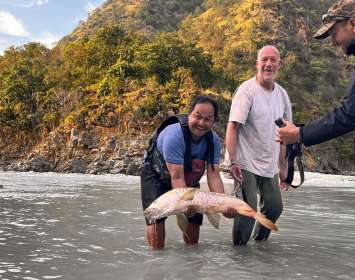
point(326, 18)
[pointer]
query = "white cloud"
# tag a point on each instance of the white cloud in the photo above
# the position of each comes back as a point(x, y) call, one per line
point(3, 45)
point(11, 25)
point(48, 39)
point(41, 2)
point(33, 3)
point(90, 7)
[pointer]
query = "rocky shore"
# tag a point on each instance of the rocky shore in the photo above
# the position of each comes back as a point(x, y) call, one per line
point(101, 151)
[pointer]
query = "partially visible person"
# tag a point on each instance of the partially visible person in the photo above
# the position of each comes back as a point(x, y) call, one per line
point(179, 153)
point(257, 162)
point(339, 24)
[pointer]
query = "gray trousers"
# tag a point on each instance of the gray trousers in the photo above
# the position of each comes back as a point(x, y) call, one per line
point(270, 205)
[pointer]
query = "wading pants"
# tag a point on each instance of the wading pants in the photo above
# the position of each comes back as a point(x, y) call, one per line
point(270, 205)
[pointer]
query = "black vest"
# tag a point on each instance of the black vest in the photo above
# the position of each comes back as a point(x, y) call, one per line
point(153, 156)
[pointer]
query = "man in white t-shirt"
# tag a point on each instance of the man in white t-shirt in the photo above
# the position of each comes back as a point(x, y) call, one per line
point(256, 159)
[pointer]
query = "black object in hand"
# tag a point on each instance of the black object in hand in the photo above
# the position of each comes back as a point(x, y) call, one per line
point(280, 123)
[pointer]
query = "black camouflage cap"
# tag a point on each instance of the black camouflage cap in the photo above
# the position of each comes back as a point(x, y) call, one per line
point(341, 10)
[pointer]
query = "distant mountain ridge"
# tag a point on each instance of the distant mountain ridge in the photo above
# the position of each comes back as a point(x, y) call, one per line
point(144, 17)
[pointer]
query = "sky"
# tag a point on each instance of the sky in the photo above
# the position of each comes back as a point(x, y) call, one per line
point(45, 21)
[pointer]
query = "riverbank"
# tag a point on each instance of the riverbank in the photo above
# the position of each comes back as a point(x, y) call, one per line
point(103, 151)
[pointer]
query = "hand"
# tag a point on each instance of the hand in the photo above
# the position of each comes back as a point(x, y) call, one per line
point(230, 213)
point(288, 134)
point(191, 211)
point(236, 172)
point(283, 185)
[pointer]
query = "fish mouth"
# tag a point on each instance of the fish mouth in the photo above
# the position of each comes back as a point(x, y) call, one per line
point(151, 214)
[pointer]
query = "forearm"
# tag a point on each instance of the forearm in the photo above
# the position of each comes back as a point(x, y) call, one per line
point(176, 175)
point(231, 141)
point(331, 126)
point(214, 179)
point(336, 123)
point(178, 183)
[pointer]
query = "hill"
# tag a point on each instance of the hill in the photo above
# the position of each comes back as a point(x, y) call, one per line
point(97, 96)
point(146, 18)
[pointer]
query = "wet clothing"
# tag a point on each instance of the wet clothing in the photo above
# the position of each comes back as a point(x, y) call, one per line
point(270, 205)
point(256, 109)
point(171, 147)
point(336, 123)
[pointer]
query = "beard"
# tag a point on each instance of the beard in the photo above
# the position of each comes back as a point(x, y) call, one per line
point(350, 50)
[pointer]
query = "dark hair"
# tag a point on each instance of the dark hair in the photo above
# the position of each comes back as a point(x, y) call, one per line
point(201, 99)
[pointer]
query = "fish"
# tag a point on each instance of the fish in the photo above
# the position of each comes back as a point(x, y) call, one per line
point(179, 200)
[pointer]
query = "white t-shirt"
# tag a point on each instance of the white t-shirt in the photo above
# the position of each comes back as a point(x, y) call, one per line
point(256, 110)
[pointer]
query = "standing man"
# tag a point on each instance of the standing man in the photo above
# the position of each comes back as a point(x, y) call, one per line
point(339, 23)
point(251, 146)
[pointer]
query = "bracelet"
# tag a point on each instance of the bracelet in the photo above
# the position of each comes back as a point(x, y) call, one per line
point(232, 163)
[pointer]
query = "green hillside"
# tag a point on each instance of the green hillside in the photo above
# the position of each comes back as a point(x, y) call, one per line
point(146, 18)
point(133, 62)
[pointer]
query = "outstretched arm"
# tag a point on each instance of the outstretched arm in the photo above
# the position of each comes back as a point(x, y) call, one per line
point(176, 172)
point(231, 146)
point(215, 184)
point(214, 179)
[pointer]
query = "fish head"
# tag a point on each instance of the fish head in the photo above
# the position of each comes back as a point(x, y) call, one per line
point(170, 203)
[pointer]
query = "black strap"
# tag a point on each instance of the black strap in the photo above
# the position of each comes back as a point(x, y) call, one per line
point(210, 148)
point(187, 156)
point(152, 154)
point(291, 170)
point(293, 152)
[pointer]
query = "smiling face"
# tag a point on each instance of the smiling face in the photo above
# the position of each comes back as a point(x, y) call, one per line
point(267, 65)
point(201, 120)
point(343, 33)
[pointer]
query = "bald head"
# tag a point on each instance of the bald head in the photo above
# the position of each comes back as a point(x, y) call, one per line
point(268, 51)
point(267, 65)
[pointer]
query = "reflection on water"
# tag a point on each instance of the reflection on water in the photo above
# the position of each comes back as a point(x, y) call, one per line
point(66, 226)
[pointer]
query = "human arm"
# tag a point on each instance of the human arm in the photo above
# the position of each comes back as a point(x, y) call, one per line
point(177, 176)
point(214, 179)
point(288, 134)
point(336, 123)
point(215, 184)
point(231, 146)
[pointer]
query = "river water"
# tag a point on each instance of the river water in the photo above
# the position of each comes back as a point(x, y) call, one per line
point(73, 226)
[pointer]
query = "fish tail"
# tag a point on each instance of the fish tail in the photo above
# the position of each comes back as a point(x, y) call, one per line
point(265, 222)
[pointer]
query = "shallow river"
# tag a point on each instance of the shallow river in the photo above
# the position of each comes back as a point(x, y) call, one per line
point(72, 226)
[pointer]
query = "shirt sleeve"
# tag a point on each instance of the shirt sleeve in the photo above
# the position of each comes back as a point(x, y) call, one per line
point(336, 123)
point(173, 148)
point(241, 105)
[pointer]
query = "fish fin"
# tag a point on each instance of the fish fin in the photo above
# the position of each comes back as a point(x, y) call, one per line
point(214, 219)
point(182, 222)
point(189, 194)
point(265, 222)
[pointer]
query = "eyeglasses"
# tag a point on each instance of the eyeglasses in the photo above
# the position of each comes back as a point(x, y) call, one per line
point(326, 18)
